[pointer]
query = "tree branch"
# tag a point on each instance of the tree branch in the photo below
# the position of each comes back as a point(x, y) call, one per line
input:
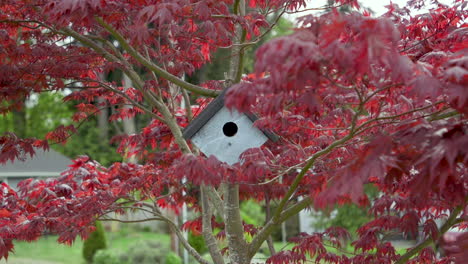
point(153, 67)
point(216, 200)
point(233, 224)
point(89, 43)
point(207, 229)
point(179, 234)
point(269, 227)
point(259, 38)
point(363, 125)
point(108, 219)
point(148, 111)
point(271, 246)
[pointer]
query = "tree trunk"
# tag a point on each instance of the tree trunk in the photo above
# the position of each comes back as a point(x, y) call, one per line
point(103, 121)
point(129, 123)
point(19, 121)
point(237, 245)
point(103, 117)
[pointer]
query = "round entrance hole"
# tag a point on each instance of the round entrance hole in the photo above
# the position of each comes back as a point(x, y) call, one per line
point(230, 129)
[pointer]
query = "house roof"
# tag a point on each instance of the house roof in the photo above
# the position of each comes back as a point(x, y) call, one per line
point(218, 103)
point(44, 164)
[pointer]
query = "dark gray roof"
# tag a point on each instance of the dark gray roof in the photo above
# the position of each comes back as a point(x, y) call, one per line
point(210, 110)
point(44, 163)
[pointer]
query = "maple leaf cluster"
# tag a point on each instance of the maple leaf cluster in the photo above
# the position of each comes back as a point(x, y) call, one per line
point(355, 100)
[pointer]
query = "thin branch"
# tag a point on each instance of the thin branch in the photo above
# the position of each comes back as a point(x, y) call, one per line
point(436, 116)
point(337, 84)
point(132, 208)
point(381, 90)
point(289, 169)
point(215, 198)
point(305, 169)
point(107, 219)
point(188, 107)
point(28, 21)
point(77, 127)
point(181, 237)
point(136, 80)
point(428, 37)
point(153, 67)
point(269, 227)
point(325, 7)
point(146, 110)
point(113, 48)
point(398, 115)
point(259, 38)
point(89, 43)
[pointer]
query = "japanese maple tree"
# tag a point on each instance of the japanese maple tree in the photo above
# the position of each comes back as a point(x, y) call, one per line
point(355, 100)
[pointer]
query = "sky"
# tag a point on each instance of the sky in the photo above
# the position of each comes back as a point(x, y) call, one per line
point(378, 6)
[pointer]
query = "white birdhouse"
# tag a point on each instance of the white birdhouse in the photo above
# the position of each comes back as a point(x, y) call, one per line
point(225, 134)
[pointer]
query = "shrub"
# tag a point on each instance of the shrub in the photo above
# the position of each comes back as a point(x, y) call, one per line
point(252, 213)
point(108, 257)
point(146, 229)
point(173, 258)
point(95, 242)
point(146, 252)
point(197, 242)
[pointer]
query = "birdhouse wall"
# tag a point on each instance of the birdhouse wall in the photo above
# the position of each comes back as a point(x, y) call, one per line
point(227, 135)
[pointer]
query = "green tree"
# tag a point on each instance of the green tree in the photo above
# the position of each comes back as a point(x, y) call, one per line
point(96, 241)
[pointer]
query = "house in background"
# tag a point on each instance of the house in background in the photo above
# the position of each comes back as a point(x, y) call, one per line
point(45, 164)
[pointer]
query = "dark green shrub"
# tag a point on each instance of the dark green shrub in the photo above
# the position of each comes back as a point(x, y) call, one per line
point(146, 229)
point(173, 258)
point(146, 252)
point(95, 242)
point(197, 242)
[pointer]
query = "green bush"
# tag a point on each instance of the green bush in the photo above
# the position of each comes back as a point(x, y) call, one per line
point(252, 213)
point(146, 252)
point(108, 257)
point(142, 252)
point(95, 242)
point(173, 258)
point(349, 216)
point(197, 242)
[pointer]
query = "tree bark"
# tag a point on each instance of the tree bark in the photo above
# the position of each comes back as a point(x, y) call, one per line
point(271, 246)
point(103, 117)
point(207, 229)
point(128, 123)
point(238, 253)
point(238, 248)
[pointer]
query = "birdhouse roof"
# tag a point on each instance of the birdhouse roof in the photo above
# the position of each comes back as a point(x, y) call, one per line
point(216, 105)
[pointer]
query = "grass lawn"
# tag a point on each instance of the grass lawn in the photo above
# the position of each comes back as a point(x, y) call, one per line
point(47, 248)
point(47, 251)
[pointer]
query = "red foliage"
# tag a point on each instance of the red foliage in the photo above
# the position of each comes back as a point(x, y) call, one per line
point(365, 100)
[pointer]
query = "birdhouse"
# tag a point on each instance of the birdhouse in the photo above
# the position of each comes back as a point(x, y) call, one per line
point(224, 133)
